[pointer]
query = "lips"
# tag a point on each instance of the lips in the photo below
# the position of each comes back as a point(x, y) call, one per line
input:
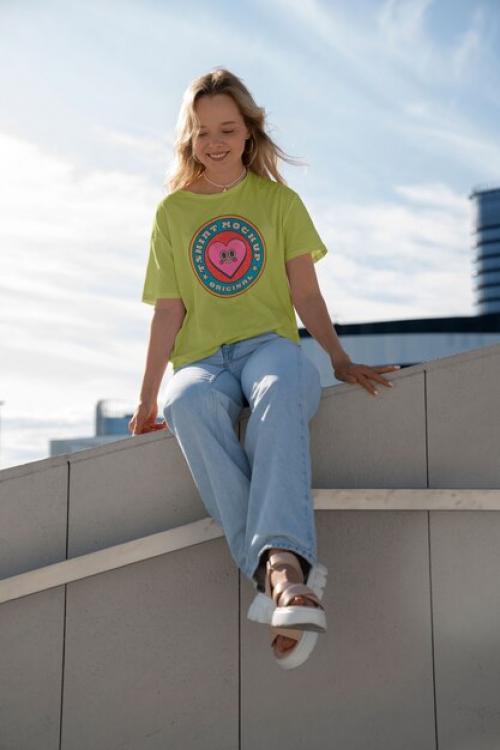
point(220, 157)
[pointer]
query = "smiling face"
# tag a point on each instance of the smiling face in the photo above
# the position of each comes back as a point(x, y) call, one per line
point(222, 131)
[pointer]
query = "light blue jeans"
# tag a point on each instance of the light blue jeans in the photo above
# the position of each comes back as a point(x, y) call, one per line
point(259, 492)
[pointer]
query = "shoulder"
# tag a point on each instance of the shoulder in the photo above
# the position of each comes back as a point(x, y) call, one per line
point(161, 216)
point(275, 190)
point(165, 204)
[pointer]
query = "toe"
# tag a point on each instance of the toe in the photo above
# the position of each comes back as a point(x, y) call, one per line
point(303, 600)
point(282, 644)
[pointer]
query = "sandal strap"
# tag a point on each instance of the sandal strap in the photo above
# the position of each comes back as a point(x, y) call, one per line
point(298, 589)
point(285, 558)
point(280, 587)
point(288, 560)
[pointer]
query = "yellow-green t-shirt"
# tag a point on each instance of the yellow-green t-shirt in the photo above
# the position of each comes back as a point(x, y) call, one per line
point(224, 255)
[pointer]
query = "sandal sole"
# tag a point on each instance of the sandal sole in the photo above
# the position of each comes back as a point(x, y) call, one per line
point(300, 617)
point(299, 653)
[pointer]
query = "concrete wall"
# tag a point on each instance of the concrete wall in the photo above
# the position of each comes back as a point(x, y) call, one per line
point(404, 347)
point(160, 654)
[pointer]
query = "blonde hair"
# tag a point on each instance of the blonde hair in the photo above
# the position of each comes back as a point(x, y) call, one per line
point(261, 153)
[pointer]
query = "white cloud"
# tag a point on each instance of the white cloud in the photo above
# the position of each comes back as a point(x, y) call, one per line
point(401, 21)
point(155, 148)
point(406, 80)
point(468, 46)
point(436, 195)
point(74, 249)
point(46, 199)
point(460, 141)
point(397, 260)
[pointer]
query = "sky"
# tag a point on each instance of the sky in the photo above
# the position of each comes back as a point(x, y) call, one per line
point(394, 106)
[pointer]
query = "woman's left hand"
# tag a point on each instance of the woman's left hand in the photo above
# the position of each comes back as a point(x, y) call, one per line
point(352, 372)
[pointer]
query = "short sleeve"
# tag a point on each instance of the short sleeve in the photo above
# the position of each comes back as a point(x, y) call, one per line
point(160, 280)
point(301, 235)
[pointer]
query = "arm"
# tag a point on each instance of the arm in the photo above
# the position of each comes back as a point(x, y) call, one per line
point(310, 305)
point(314, 314)
point(165, 324)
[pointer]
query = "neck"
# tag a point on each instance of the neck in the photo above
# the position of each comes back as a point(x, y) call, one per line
point(225, 180)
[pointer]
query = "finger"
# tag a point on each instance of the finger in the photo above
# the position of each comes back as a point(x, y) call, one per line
point(363, 380)
point(385, 382)
point(372, 372)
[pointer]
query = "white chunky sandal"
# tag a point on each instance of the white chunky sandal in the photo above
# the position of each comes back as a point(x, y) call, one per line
point(262, 608)
point(286, 615)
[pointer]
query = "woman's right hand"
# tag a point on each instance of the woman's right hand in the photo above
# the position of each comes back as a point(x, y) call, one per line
point(144, 420)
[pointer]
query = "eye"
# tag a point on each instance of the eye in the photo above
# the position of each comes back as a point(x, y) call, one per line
point(200, 135)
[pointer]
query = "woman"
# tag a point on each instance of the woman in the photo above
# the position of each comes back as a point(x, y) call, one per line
point(231, 255)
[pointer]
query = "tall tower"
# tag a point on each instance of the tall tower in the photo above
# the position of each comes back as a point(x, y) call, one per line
point(486, 242)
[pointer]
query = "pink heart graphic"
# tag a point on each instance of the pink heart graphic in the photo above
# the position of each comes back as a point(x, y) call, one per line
point(227, 258)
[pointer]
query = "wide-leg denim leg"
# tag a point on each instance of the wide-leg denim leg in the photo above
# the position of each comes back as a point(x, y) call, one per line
point(260, 493)
point(283, 388)
point(203, 403)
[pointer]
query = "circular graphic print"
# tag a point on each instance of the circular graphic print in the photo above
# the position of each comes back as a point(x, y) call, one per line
point(228, 255)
